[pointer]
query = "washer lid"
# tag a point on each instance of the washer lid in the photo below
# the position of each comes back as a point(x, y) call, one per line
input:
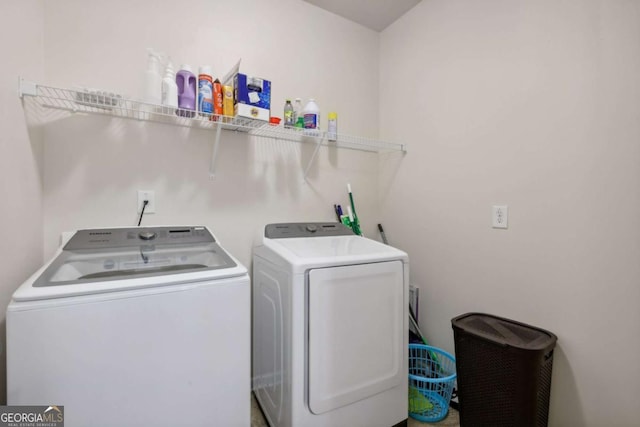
point(106, 260)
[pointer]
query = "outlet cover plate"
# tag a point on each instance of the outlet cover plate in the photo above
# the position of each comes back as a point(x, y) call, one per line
point(151, 197)
point(500, 216)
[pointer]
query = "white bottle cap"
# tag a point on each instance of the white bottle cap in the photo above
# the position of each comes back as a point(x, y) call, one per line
point(205, 69)
point(186, 67)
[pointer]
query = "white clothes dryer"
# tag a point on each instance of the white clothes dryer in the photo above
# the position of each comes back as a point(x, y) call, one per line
point(134, 327)
point(330, 326)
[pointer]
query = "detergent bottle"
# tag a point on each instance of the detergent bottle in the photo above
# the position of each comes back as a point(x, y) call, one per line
point(186, 81)
point(311, 114)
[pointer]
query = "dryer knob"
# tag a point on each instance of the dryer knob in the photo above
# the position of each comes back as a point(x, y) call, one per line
point(312, 228)
point(147, 235)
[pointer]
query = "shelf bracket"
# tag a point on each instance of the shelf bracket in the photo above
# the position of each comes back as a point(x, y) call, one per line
point(313, 156)
point(26, 88)
point(214, 151)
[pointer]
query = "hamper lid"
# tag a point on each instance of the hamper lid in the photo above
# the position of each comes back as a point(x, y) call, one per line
point(504, 331)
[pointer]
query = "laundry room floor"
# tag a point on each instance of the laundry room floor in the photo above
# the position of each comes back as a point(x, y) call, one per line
point(452, 420)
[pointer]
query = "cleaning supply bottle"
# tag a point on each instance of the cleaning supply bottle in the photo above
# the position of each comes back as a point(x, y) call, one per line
point(332, 126)
point(218, 96)
point(311, 115)
point(205, 91)
point(297, 110)
point(153, 77)
point(289, 120)
point(169, 87)
point(186, 81)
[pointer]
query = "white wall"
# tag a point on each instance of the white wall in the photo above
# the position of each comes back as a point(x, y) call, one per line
point(533, 104)
point(94, 165)
point(21, 49)
point(530, 104)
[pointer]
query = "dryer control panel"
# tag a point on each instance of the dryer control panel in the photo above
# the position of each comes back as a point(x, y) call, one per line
point(306, 229)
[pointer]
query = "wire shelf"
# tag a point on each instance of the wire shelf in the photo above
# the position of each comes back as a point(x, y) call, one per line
point(92, 101)
point(112, 104)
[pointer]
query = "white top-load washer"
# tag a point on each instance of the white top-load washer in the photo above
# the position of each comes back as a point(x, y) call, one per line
point(330, 328)
point(134, 327)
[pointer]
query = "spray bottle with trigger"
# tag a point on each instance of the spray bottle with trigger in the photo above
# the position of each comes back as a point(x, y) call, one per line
point(153, 77)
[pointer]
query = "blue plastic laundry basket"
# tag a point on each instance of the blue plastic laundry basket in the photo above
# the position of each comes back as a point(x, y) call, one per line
point(432, 373)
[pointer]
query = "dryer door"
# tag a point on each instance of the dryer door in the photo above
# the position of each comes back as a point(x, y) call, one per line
point(355, 326)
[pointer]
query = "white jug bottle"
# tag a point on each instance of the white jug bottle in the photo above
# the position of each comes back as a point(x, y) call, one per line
point(153, 77)
point(170, 88)
point(311, 115)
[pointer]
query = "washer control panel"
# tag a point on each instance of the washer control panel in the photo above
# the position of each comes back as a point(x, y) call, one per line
point(137, 236)
point(306, 229)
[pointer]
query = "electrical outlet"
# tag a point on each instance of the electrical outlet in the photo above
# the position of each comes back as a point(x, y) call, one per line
point(151, 197)
point(500, 216)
